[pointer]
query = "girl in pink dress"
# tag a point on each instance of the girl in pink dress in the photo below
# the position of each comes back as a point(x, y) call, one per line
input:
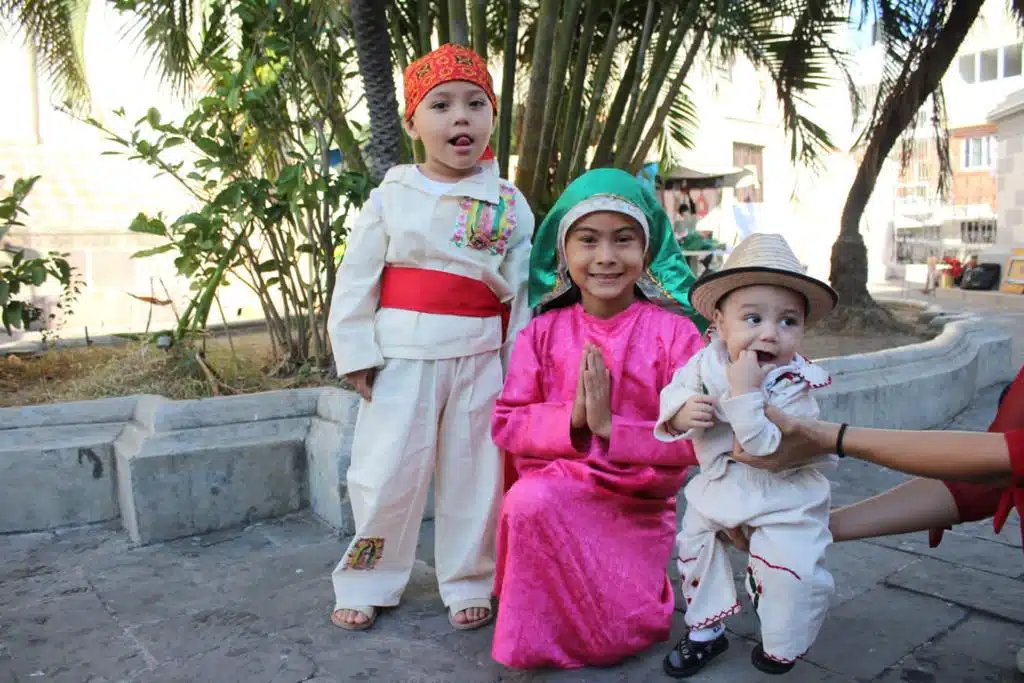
point(585, 534)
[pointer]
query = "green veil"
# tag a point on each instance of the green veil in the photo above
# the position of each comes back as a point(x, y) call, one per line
point(667, 279)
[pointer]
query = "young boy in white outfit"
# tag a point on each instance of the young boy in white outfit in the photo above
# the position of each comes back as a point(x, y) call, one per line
point(759, 303)
point(430, 294)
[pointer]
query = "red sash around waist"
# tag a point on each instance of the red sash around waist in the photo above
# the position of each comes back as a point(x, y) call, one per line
point(433, 291)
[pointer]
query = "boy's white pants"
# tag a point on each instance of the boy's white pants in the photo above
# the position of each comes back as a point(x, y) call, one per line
point(426, 417)
point(785, 578)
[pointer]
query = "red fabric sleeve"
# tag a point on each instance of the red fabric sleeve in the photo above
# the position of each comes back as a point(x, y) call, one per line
point(1013, 495)
point(980, 501)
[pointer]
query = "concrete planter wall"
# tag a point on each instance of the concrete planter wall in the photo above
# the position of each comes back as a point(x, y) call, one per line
point(176, 468)
point(169, 469)
point(921, 385)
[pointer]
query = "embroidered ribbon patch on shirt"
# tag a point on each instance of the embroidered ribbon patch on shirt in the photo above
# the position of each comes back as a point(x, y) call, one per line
point(486, 226)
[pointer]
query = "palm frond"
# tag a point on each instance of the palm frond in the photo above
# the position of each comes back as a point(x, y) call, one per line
point(163, 29)
point(55, 31)
point(790, 41)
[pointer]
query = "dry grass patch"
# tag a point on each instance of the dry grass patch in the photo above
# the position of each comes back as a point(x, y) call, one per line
point(84, 373)
point(822, 342)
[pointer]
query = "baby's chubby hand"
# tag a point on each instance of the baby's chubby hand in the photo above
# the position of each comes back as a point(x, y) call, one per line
point(746, 374)
point(698, 411)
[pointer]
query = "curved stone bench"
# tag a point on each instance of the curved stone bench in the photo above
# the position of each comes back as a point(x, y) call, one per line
point(920, 385)
point(169, 469)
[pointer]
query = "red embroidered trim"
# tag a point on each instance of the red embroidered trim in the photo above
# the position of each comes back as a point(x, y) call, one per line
point(821, 386)
point(780, 660)
point(711, 621)
point(799, 373)
point(775, 566)
point(691, 559)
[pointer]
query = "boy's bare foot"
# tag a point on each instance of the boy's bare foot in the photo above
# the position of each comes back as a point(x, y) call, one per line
point(468, 616)
point(354, 619)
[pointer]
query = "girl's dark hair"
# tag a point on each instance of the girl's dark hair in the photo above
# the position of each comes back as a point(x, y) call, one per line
point(574, 296)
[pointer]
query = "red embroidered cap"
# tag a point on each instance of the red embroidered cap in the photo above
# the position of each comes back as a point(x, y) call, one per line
point(445, 64)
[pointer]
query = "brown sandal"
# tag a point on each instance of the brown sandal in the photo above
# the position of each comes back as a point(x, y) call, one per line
point(368, 611)
point(463, 605)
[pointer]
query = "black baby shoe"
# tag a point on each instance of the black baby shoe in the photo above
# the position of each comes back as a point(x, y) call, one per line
point(689, 656)
point(764, 663)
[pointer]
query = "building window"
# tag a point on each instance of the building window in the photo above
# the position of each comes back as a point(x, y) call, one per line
point(989, 65)
point(967, 68)
point(1012, 61)
point(979, 152)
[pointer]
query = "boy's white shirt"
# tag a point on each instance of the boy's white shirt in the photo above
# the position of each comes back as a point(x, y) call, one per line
point(787, 387)
point(410, 220)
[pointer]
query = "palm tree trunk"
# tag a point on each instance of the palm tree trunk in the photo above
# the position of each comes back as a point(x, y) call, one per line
point(533, 121)
point(373, 53)
point(508, 89)
point(666, 106)
point(478, 12)
point(426, 25)
point(604, 67)
point(638, 76)
point(649, 100)
point(849, 267)
point(458, 22)
point(556, 87)
point(578, 81)
point(604, 155)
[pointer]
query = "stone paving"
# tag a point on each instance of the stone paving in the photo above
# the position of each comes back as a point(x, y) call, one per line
point(251, 605)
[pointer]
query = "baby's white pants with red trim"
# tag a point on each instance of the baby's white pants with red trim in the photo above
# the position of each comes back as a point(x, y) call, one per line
point(785, 578)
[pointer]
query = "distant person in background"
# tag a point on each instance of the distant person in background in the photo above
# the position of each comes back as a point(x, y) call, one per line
point(969, 265)
point(687, 221)
point(931, 275)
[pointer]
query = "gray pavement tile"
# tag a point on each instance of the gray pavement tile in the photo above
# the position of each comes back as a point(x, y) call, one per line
point(865, 635)
point(1009, 535)
point(978, 552)
point(964, 586)
point(378, 655)
point(259, 659)
point(199, 632)
point(854, 480)
point(932, 665)
point(70, 639)
point(986, 639)
point(39, 584)
point(295, 530)
point(858, 567)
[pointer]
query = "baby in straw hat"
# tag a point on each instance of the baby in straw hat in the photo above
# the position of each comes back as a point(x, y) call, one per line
point(760, 304)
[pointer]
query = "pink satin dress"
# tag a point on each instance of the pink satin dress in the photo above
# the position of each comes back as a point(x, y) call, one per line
point(586, 533)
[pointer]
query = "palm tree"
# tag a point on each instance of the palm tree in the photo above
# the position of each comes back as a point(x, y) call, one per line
point(921, 38)
point(373, 50)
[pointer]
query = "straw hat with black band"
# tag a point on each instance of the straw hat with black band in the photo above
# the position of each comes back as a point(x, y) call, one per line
point(762, 259)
